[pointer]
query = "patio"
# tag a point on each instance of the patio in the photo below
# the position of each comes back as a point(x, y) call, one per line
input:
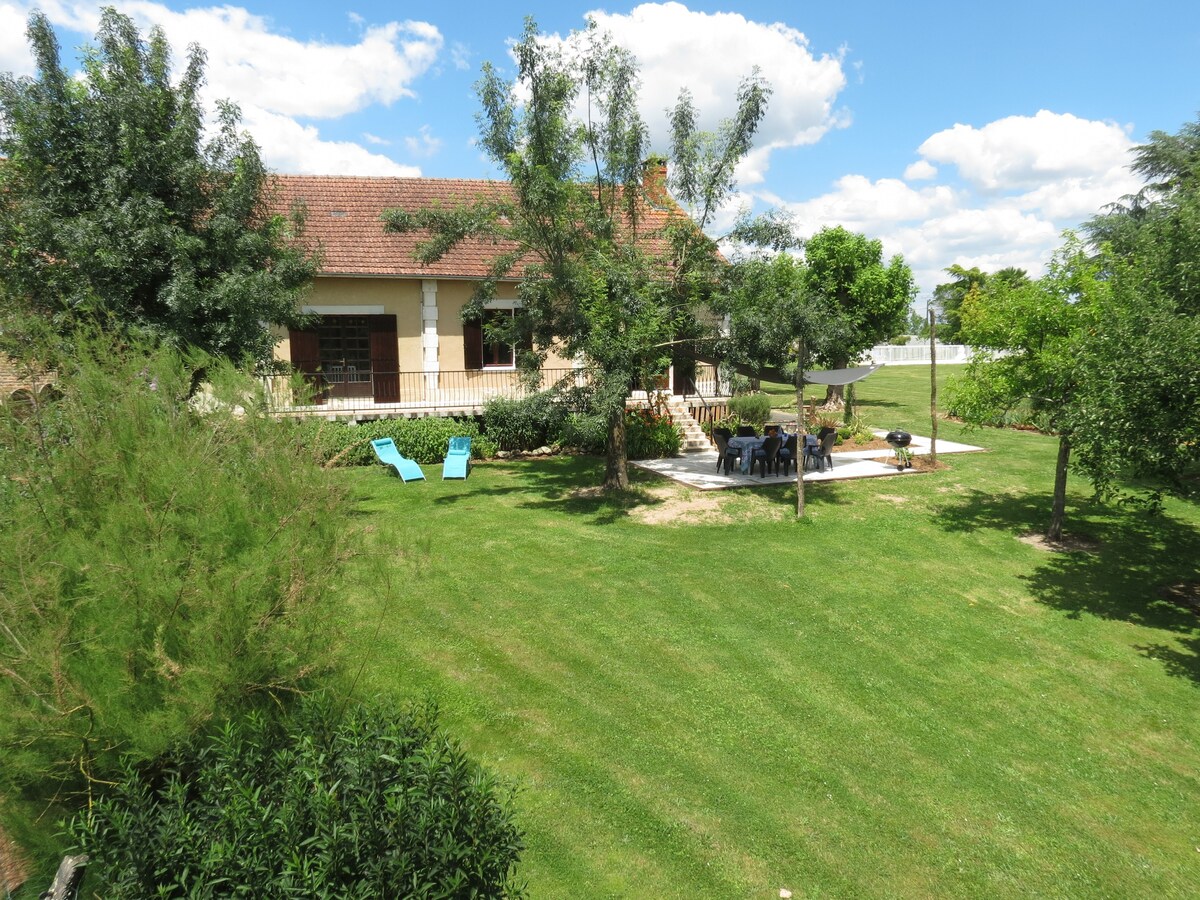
point(699, 470)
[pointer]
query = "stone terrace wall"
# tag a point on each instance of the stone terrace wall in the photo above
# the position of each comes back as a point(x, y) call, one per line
point(13, 380)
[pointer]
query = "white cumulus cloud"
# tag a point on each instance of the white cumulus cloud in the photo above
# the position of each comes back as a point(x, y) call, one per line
point(1026, 152)
point(299, 149)
point(1024, 181)
point(14, 49)
point(921, 170)
point(278, 81)
point(315, 79)
point(710, 54)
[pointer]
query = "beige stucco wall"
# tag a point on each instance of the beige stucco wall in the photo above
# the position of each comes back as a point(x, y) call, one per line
point(402, 298)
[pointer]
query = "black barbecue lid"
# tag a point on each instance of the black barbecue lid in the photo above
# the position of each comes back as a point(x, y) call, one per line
point(899, 438)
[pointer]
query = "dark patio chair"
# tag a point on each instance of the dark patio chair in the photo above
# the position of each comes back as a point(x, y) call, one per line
point(787, 454)
point(822, 453)
point(767, 455)
point(746, 431)
point(725, 453)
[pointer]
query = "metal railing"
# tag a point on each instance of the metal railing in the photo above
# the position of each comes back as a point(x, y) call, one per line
point(406, 392)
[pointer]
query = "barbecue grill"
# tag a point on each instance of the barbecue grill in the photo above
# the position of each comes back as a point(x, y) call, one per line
point(899, 441)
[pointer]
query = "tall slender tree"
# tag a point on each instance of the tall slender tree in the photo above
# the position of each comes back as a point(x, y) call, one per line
point(1028, 338)
point(594, 282)
point(774, 323)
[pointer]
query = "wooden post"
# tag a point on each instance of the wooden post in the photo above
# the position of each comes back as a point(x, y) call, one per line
point(933, 416)
point(68, 879)
point(802, 428)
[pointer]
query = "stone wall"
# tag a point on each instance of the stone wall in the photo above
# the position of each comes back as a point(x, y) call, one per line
point(13, 379)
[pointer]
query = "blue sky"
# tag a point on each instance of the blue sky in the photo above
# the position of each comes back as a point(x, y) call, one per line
point(954, 132)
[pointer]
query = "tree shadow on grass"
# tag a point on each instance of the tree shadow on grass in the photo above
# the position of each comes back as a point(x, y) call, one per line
point(569, 484)
point(1136, 555)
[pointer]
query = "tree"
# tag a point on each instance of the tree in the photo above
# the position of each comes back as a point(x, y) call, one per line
point(870, 299)
point(948, 298)
point(593, 281)
point(1028, 337)
point(1143, 356)
point(113, 207)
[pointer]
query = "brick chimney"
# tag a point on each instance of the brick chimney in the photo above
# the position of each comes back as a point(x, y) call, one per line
point(654, 182)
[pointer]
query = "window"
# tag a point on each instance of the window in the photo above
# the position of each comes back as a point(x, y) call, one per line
point(497, 353)
point(345, 348)
point(480, 350)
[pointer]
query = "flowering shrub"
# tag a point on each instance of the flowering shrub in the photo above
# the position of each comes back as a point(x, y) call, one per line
point(650, 434)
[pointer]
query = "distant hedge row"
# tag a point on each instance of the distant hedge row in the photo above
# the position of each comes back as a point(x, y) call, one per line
point(544, 419)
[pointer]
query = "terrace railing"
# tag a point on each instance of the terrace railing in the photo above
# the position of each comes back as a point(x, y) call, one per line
point(343, 389)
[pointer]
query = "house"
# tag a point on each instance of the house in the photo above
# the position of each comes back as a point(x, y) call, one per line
point(390, 340)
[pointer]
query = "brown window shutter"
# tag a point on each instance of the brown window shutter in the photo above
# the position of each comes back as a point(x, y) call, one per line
point(473, 345)
point(385, 359)
point(305, 350)
point(305, 347)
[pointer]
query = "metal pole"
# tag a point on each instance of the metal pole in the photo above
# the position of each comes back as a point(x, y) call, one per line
point(933, 416)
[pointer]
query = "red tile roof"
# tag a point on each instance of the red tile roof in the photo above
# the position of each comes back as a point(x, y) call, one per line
point(343, 220)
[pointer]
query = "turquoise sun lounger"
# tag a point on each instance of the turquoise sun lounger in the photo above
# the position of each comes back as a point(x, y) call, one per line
point(407, 469)
point(458, 459)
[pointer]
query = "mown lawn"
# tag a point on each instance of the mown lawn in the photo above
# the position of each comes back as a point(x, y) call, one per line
point(698, 696)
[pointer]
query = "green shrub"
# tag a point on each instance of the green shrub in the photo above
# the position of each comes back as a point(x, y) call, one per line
point(316, 802)
point(424, 440)
point(526, 423)
point(752, 409)
point(651, 435)
point(586, 432)
point(162, 565)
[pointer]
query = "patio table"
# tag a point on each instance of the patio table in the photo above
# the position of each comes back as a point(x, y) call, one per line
point(747, 445)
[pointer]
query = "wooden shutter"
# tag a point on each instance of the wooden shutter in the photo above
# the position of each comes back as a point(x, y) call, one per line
point(472, 345)
point(385, 359)
point(305, 347)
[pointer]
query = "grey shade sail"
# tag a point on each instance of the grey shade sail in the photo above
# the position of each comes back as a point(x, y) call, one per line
point(821, 376)
point(839, 376)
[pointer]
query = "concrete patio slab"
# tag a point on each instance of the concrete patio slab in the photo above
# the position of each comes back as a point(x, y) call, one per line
point(700, 470)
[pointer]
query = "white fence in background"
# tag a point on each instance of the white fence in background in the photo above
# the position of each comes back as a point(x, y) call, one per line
point(916, 353)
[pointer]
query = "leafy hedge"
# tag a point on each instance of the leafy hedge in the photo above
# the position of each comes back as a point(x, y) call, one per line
point(317, 802)
point(562, 418)
point(424, 440)
point(585, 432)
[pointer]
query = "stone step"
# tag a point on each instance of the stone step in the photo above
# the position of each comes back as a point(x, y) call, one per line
point(694, 438)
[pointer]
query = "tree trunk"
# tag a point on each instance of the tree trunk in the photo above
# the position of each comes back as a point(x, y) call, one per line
point(835, 395)
point(616, 464)
point(1054, 533)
